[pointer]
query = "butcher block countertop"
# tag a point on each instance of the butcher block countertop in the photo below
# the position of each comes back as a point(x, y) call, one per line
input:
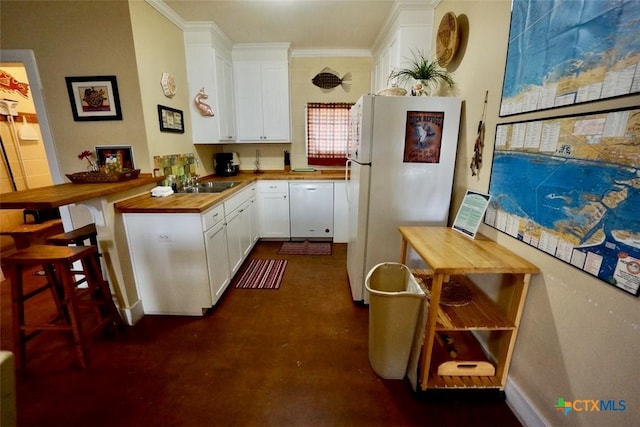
point(58, 195)
point(198, 203)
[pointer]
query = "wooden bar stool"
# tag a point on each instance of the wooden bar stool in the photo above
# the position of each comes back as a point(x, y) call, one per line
point(83, 312)
point(79, 237)
point(33, 233)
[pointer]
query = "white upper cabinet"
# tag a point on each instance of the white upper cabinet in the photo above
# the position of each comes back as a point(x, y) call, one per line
point(209, 67)
point(261, 75)
point(200, 75)
point(224, 77)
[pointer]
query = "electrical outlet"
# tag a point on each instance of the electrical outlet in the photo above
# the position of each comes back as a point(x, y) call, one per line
point(164, 238)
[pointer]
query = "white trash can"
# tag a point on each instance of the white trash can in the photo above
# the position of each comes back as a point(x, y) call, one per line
point(395, 305)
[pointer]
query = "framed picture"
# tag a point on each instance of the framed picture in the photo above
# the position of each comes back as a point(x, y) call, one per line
point(171, 120)
point(94, 98)
point(117, 156)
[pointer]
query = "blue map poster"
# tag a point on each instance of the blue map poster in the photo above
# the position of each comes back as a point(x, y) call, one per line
point(570, 186)
point(566, 52)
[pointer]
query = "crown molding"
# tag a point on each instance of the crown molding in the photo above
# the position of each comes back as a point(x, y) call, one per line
point(319, 53)
point(167, 12)
point(398, 7)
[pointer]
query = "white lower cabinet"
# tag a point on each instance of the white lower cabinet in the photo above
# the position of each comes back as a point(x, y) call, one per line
point(273, 203)
point(217, 260)
point(177, 269)
point(183, 262)
point(242, 234)
point(234, 240)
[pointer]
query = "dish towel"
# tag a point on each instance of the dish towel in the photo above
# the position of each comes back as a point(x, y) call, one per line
point(161, 191)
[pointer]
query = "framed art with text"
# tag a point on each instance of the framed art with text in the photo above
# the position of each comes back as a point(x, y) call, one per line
point(171, 120)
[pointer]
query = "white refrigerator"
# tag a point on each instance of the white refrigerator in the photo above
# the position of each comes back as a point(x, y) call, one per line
point(400, 169)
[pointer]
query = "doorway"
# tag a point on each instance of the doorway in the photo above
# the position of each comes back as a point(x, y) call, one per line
point(28, 154)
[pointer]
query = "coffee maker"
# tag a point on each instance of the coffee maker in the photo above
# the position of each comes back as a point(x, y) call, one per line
point(224, 164)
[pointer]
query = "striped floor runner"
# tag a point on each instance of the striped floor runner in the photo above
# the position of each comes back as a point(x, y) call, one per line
point(262, 274)
point(305, 248)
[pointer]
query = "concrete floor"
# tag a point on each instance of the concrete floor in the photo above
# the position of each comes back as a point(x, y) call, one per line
point(296, 356)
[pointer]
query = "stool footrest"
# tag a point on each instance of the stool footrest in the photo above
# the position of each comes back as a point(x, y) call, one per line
point(37, 291)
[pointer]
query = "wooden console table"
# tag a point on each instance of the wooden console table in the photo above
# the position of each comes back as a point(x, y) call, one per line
point(450, 255)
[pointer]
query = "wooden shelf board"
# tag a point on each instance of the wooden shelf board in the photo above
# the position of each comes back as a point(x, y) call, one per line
point(440, 381)
point(480, 314)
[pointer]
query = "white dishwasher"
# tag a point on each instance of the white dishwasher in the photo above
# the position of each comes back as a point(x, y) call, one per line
point(311, 210)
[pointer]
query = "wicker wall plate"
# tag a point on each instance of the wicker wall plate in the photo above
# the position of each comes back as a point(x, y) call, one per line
point(101, 177)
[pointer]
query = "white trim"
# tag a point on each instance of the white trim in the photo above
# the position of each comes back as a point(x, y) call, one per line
point(522, 407)
point(167, 12)
point(308, 53)
point(399, 6)
point(133, 314)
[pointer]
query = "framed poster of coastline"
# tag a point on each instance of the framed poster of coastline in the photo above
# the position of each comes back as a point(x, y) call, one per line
point(568, 52)
point(570, 186)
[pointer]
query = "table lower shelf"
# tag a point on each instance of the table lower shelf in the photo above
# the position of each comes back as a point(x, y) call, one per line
point(472, 381)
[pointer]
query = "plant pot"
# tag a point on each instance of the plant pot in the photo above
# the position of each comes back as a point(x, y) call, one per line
point(420, 88)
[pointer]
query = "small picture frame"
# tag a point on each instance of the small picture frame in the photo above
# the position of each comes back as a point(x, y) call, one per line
point(170, 119)
point(121, 155)
point(94, 98)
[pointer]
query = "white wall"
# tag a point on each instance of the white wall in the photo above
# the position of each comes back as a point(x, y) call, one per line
point(579, 338)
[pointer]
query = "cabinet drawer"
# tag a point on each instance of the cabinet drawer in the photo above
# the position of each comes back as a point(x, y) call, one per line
point(273, 186)
point(212, 217)
point(237, 200)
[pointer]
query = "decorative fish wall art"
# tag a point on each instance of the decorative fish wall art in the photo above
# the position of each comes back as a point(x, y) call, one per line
point(327, 80)
point(204, 108)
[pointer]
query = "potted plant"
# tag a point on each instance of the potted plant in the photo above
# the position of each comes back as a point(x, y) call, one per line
point(425, 72)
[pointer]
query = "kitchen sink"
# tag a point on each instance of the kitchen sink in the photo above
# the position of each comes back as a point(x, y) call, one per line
point(209, 187)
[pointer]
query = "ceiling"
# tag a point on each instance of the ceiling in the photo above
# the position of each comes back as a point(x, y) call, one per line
point(306, 24)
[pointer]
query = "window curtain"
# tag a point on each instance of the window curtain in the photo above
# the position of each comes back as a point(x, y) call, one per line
point(327, 133)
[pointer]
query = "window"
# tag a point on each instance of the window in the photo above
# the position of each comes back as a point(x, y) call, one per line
point(327, 133)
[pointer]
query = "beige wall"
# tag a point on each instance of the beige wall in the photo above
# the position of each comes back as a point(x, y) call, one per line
point(301, 71)
point(95, 39)
point(159, 47)
point(579, 338)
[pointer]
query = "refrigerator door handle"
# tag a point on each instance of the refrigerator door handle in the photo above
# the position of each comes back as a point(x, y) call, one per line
point(347, 177)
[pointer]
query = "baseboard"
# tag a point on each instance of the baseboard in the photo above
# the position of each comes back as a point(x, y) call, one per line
point(133, 314)
point(521, 406)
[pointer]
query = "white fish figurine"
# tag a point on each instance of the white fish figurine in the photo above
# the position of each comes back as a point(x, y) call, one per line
point(204, 108)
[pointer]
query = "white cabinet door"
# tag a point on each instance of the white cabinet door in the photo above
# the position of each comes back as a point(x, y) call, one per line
point(275, 101)
point(201, 74)
point(217, 260)
point(226, 102)
point(254, 231)
point(273, 204)
point(262, 101)
point(246, 237)
point(311, 209)
point(170, 263)
point(248, 89)
point(234, 240)
point(340, 213)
